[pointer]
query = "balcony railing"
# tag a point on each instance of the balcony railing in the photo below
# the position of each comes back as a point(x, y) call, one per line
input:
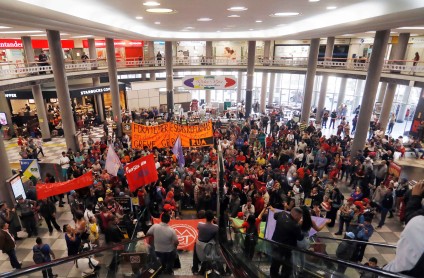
point(17, 70)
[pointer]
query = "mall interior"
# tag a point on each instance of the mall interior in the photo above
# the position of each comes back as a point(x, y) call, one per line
point(68, 70)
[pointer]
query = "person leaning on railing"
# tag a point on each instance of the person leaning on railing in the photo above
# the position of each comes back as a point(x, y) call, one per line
point(409, 258)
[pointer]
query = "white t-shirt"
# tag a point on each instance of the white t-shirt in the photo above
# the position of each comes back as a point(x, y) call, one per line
point(84, 267)
point(64, 162)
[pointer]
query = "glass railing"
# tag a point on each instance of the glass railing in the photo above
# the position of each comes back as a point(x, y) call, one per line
point(131, 258)
point(264, 258)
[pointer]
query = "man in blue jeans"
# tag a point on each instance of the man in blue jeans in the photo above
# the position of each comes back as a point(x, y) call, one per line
point(165, 242)
point(7, 245)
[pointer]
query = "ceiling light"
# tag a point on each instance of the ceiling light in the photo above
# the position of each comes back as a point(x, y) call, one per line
point(237, 9)
point(157, 22)
point(151, 4)
point(258, 21)
point(40, 35)
point(370, 32)
point(251, 29)
point(160, 10)
point(392, 32)
point(233, 15)
point(138, 17)
point(347, 35)
point(331, 7)
point(314, 0)
point(218, 31)
point(204, 19)
point(83, 36)
point(413, 28)
point(285, 14)
point(189, 28)
point(20, 32)
point(4, 27)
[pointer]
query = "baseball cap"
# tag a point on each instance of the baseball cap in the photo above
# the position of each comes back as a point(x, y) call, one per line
point(240, 214)
point(100, 199)
point(350, 235)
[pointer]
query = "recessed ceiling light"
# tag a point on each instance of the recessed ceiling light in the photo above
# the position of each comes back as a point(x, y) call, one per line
point(151, 4)
point(258, 21)
point(234, 15)
point(83, 36)
point(40, 35)
point(138, 17)
point(157, 22)
point(331, 7)
point(251, 29)
point(314, 0)
point(237, 9)
point(189, 28)
point(20, 32)
point(284, 14)
point(4, 27)
point(218, 31)
point(347, 35)
point(204, 19)
point(160, 11)
point(413, 28)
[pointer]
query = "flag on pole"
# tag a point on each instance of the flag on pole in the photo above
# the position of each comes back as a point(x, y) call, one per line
point(113, 163)
point(178, 152)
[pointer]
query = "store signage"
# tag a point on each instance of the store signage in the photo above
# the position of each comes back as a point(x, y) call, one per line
point(17, 44)
point(95, 91)
point(210, 82)
point(10, 95)
point(117, 43)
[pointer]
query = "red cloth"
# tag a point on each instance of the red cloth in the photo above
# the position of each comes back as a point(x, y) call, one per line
point(141, 172)
point(259, 204)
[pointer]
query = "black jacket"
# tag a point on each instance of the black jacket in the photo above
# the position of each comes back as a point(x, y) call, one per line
point(113, 234)
point(287, 231)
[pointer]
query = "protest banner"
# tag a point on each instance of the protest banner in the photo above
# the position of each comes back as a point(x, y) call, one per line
point(30, 168)
point(186, 232)
point(271, 222)
point(45, 190)
point(395, 169)
point(165, 135)
point(141, 172)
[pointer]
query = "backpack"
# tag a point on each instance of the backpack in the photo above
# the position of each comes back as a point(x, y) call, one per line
point(38, 256)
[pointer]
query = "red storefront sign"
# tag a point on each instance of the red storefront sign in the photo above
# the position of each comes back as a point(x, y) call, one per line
point(17, 44)
point(117, 43)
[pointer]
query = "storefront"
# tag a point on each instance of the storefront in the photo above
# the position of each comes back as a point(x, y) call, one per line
point(124, 49)
point(11, 50)
point(83, 101)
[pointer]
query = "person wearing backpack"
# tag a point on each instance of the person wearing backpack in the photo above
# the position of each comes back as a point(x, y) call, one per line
point(42, 253)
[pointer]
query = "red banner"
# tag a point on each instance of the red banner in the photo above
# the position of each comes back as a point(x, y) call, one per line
point(141, 172)
point(117, 43)
point(11, 44)
point(186, 232)
point(394, 169)
point(45, 190)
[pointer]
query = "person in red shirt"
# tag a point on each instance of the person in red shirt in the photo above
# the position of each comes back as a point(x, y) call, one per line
point(268, 141)
point(241, 157)
point(239, 168)
point(237, 184)
point(259, 202)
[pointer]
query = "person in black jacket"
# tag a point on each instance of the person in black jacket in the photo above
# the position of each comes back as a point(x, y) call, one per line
point(386, 206)
point(287, 231)
point(113, 234)
point(47, 209)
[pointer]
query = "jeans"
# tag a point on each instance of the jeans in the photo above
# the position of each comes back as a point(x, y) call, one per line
point(342, 222)
point(167, 259)
point(13, 260)
point(64, 174)
point(332, 122)
point(384, 212)
point(47, 273)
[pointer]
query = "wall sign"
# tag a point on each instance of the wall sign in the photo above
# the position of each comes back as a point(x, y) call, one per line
point(209, 82)
point(117, 43)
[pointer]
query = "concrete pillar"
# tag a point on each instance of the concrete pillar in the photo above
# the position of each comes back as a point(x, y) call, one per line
point(152, 76)
point(62, 89)
point(251, 49)
point(208, 92)
point(4, 107)
point(264, 88)
point(382, 92)
point(5, 174)
point(315, 94)
point(278, 86)
point(37, 93)
point(322, 95)
point(358, 92)
point(239, 85)
point(271, 88)
point(309, 82)
point(371, 85)
point(92, 53)
point(209, 52)
point(143, 76)
point(329, 49)
point(342, 92)
point(267, 52)
point(151, 52)
point(113, 83)
point(169, 76)
point(398, 53)
point(402, 111)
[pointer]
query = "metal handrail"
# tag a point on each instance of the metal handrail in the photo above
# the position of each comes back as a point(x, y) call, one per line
point(359, 241)
point(39, 267)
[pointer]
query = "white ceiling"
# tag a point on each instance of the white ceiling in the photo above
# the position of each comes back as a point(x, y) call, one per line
point(117, 19)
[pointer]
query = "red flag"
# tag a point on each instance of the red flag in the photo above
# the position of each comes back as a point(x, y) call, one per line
point(186, 231)
point(45, 190)
point(141, 172)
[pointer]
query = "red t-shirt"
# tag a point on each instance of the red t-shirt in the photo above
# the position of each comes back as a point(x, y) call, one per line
point(245, 225)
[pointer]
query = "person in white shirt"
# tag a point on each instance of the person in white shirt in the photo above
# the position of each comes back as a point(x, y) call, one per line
point(64, 164)
point(248, 208)
point(302, 145)
point(39, 144)
point(87, 265)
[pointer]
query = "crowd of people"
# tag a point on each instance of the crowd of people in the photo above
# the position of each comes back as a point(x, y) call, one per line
point(268, 164)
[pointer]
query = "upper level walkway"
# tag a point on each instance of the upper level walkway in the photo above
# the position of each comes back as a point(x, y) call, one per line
point(18, 75)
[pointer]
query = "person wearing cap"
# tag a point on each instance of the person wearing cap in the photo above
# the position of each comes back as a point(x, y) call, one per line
point(99, 205)
point(346, 215)
point(287, 231)
point(25, 209)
